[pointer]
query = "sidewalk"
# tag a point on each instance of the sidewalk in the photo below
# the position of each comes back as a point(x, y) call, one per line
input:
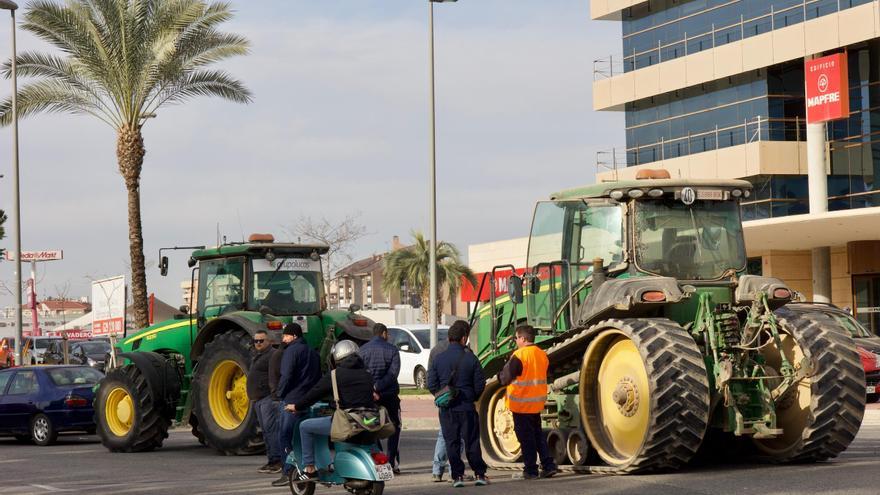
point(419, 412)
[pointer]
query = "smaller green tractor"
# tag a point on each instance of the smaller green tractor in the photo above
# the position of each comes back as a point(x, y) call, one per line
point(193, 369)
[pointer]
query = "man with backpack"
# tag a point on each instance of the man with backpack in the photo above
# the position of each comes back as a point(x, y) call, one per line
point(456, 380)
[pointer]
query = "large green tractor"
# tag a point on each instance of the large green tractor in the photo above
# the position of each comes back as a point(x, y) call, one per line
point(193, 369)
point(659, 342)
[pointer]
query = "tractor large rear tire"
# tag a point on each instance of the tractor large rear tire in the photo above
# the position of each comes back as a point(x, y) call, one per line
point(223, 412)
point(127, 413)
point(822, 415)
point(644, 395)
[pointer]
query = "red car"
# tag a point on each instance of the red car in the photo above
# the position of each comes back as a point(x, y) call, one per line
point(867, 343)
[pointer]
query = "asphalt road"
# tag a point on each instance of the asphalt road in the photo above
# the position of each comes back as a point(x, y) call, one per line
point(81, 465)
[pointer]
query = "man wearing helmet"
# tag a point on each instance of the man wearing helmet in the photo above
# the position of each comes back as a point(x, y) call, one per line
point(355, 386)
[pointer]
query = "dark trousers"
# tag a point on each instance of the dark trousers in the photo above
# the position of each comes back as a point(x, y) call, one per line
point(533, 442)
point(392, 404)
point(462, 427)
point(289, 426)
point(267, 416)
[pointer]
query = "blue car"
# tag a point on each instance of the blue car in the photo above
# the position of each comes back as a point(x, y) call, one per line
point(38, 402)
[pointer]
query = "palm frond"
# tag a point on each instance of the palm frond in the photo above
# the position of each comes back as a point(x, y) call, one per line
point(126, 58)
point(51, 96)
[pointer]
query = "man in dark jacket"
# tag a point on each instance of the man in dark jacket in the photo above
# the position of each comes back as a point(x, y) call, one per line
point(383, 362)
point(260, 394)
point(458, 367)
point(300, 370)
point(356, 390)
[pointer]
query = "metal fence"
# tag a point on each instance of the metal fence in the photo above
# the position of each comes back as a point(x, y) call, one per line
point(611, 65)
point(757, 129)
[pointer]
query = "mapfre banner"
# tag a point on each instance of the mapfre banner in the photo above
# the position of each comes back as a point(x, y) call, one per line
point(827, 85)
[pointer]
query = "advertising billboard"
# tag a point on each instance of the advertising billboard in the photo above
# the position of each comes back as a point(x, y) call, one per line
point(108, 306)
point(827, 86)
point(50, 255)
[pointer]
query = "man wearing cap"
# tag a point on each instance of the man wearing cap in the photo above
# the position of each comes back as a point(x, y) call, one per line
point(300, 370)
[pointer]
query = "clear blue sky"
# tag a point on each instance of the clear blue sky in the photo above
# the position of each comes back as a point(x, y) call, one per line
point(339, 125)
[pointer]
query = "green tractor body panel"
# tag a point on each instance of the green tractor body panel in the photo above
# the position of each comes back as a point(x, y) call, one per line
point(649, 277)
point(242, 289)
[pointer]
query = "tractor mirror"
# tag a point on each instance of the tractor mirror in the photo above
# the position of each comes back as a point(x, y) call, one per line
point(534, 285)
point(191, 262)
point(163, 266)
point(184, 309)
point(515, 289)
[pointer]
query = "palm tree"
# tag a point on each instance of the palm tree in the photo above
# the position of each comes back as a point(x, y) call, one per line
point(411, 266)
point(120, 61)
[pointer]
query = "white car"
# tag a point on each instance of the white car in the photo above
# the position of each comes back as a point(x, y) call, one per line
point(413, 343)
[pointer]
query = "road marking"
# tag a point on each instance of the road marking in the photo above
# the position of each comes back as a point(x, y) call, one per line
point(6, 461)
point(49, 488)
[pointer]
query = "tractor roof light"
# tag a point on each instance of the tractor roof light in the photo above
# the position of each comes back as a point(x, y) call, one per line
point(747, 193)
point(261, 238)
point(736, 193)
point(655, 193)
point(616, 195)
point(635, 193)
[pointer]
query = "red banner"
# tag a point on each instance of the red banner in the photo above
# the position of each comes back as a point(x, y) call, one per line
point(469, 292)
point(827, 85)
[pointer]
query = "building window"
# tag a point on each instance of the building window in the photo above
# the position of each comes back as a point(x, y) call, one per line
point(755, 266)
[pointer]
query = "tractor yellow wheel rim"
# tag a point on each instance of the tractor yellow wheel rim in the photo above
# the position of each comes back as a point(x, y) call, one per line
point(119, 411)
point(227, 395)
point(620, 409)
point(502, 433)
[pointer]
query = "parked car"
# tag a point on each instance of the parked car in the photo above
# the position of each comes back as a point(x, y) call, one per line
point(87, 352)
point(39, 402)
point(413, 343)
point(37, 346)
point(867, 343)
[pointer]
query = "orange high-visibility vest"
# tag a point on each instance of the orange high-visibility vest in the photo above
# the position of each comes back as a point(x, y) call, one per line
point(528, 392)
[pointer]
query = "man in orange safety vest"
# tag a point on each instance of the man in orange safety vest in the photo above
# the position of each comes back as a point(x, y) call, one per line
point(525, 375)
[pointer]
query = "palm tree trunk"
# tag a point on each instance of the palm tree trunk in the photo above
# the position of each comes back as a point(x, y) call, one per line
point(130, 156)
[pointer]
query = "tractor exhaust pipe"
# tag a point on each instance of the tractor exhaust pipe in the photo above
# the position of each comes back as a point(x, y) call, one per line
point(563, 382)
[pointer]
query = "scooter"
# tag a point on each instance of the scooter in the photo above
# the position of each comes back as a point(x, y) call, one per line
point(360, 468)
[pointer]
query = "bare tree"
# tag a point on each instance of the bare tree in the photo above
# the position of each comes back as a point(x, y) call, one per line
point(62, 291)
point(339, 236)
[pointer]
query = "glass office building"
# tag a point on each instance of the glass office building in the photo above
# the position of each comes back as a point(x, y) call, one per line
point(715, 88)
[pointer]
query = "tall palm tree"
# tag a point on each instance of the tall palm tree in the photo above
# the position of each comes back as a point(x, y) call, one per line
point(119, 61)
point(411, 266)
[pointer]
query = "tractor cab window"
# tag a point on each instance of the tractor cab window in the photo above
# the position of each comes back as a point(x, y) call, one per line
point(595, 231)
point(700, 241)
point(221, 286)
point(286, 286)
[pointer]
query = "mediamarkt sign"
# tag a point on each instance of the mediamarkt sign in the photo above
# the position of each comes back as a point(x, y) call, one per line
point(827, 84)
point(37, 255)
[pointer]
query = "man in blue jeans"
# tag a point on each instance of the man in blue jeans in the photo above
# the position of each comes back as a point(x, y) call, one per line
point(259, 391)
point(382, 360)
point(458, 367)
point(300, 370)
point(355, 385)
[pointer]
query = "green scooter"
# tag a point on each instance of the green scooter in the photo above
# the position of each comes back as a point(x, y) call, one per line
point(360, 468)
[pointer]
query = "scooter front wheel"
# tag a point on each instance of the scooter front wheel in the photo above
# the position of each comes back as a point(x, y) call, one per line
point(301, 487)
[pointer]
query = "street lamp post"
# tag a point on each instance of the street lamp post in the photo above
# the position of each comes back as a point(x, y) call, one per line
point(432, 247)
point(16, 201)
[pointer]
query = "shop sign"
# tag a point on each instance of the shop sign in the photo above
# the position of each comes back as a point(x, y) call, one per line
point(827, 85)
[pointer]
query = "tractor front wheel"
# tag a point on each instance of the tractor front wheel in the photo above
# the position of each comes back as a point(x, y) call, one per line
point(496, 425)
point(821, 414)
point(644, 395)
point(223, 412)
point(127, 412)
